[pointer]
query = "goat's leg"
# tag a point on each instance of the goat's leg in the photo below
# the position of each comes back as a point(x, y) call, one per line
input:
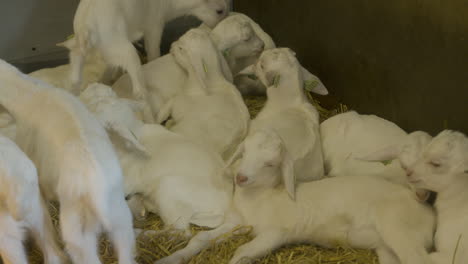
point(199, 242)
point(123, 54)
point(76, 69)
point(259, 246)
point(408, 244)
point(44, 233)
point(153, 41)
point(79, 237)
point(11, 240)
point(121, 230)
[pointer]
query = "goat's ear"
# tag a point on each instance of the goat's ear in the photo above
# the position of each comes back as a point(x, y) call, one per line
point(69, 43)
point(389, 153)
point(128, 137)
point(312, 83)
point(235, 155)
point(249, 70)
point(289, 177)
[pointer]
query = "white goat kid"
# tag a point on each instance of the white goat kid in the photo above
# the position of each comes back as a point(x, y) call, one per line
point(76, 163)
point(402, 154)
point(111, 26)
point(369, 212)
point(443, 168)
point(204, 189)
point(289, 113)
point(22, 207)
point(210, 111)
point(234, 35)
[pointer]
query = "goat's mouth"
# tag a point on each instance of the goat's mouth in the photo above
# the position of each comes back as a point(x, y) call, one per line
point(243, 184)
point(414, 181)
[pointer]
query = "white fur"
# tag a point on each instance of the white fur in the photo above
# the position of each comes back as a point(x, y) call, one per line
point(234, 35)
point(111, 26)
point(203, 189)
point(210, 111)
point(76, 163)
point(361, 212)
point(115, 114)
point(443, 168)
point(22, 208)
point(7, 125)
point(238, 63)
point(288, 113)
point(350, 135)
point(402, 153)
point(181, 181)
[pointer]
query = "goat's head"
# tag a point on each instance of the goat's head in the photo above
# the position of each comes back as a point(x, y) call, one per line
point(408, 153)
point(196, 53)
point(265, 162)
point(211, 12)
point(442, 163)
point(235, 35)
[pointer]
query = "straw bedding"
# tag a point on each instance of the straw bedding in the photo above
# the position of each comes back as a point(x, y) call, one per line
point(153, 247)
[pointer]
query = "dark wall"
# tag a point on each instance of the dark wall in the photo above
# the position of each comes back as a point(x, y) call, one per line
point(406, 61)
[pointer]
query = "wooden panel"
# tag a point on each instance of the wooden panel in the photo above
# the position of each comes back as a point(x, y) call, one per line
point(404, 60)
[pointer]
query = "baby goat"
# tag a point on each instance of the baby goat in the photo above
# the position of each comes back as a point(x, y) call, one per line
point(76, 162)
point(210, 111)
point(442, 167)
point(289, 113)
point(111, 26)
point(362, 212)
point(204, 189)
point(165, 79)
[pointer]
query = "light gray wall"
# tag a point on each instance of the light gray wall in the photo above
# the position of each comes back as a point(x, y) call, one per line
point(31, 28)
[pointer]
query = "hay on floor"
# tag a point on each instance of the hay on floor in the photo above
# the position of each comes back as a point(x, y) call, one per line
point(153, 247)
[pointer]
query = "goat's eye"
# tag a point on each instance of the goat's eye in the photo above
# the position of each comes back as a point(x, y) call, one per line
point(270, 165)
point(434, 164)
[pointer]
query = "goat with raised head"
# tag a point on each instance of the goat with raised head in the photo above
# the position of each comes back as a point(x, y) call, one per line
point(289, 113)
point(165, 78)
point(442, 167)
point(211, 110)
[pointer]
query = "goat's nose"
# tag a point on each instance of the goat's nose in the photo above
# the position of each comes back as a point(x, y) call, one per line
point(220, 11)
point(241, 179)
point(409, 173)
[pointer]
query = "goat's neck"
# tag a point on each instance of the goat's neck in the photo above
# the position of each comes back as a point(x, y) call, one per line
point(16, 92)
point(289, 89)
point(453, 197)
